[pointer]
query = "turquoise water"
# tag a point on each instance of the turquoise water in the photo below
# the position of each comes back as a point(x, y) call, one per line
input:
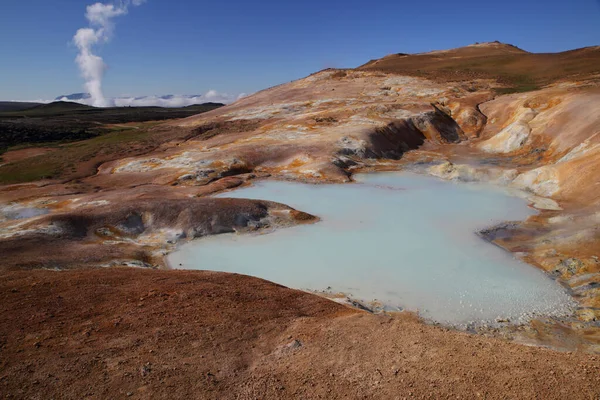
point(403, 240)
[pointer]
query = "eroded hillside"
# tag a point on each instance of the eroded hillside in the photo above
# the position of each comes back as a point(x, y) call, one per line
point(441, 113)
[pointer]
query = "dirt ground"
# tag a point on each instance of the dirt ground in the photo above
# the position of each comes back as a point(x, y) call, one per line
point(131, 333)
point(18, 155)
point(129, 195)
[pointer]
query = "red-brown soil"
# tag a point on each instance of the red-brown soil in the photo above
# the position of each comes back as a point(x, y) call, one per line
point(115, 333)
point(517, 69)
point(121, 333)
point(18, 155)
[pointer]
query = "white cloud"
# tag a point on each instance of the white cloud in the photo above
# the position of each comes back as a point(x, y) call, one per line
point(211, 94)
point(170, 101)
point(101, 15)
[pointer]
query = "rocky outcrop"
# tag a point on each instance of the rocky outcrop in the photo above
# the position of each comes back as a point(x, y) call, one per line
point(469, 117)
point(439, 127)
point(390, 141)
point(138, 233)
point(514, 136)
point(552, 137)
point(543, 181)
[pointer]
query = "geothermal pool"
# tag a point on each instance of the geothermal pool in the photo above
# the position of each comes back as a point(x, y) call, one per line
point(402, 240)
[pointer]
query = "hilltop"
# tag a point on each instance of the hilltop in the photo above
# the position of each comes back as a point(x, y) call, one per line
point(56, 107)
point(515, 69)
point(8, 106)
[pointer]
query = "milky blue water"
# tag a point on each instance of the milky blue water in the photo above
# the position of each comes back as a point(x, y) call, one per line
point(16, 212)
point(406, 241)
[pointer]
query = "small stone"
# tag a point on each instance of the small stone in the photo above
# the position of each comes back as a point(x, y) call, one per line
point(296, 344)
point(145, 369)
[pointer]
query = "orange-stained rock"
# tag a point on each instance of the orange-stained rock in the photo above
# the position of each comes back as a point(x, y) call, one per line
point(325, 128)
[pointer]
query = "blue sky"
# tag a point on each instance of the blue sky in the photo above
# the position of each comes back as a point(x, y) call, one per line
point(234, 46)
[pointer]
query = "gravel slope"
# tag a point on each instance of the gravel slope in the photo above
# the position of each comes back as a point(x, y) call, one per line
point(178, 334)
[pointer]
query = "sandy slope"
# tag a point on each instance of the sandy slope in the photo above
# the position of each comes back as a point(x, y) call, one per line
point(92, 333)
point(142, 334)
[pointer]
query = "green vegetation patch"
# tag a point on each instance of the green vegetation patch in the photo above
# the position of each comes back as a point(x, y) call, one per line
point(67, 122)
point(83, 137)
point(65, 160)
point(517, 89)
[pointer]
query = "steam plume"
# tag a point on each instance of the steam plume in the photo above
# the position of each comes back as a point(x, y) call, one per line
point(92, 67)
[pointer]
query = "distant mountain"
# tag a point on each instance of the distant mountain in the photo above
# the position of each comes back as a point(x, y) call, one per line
point(56, 108)
point(74, 97)
point(209, 104)
point(59, 106)
point(85, 96)
point(166, 101)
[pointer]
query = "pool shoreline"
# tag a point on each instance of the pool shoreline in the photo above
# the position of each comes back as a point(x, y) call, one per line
point(363, 303)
